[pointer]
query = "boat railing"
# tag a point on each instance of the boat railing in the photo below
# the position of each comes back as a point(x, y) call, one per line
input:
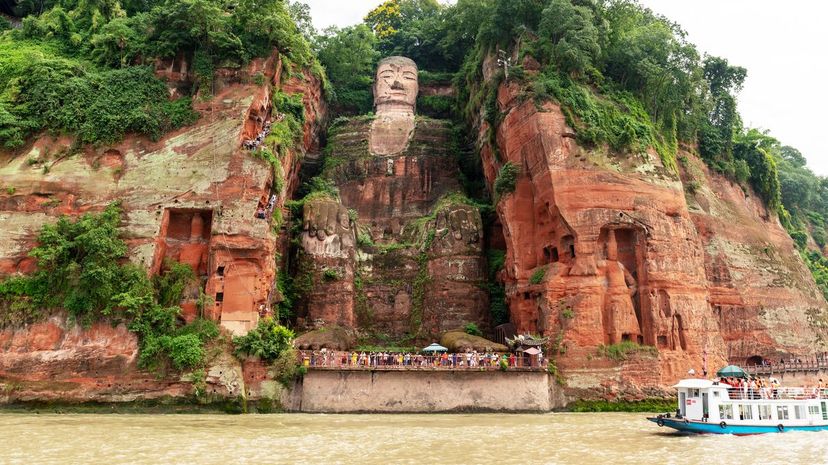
point(793, 393)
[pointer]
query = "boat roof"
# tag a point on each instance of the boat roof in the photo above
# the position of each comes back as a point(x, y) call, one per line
point(696, 383)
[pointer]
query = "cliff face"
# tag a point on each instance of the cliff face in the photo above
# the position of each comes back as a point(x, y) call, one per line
point(625, 254)
point(407, 260)
point(760, 291)
point(601, 247)
point(192, 197)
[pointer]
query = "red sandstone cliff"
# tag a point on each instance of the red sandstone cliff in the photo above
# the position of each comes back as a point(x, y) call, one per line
point(628, 255)
point(191, 196)
point(625, 250)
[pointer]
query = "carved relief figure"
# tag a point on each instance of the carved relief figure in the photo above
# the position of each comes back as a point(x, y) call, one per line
point(328, 228)
point(395, 96)
point(620, 321)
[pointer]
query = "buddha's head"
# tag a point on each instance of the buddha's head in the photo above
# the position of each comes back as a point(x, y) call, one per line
point(396, 86)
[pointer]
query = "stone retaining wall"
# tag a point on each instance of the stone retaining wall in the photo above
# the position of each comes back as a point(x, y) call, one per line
point(414, 392)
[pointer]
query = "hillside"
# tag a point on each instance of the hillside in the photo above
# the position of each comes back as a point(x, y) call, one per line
point(185, 186)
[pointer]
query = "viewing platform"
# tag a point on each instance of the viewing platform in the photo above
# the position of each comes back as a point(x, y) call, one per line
point(812, 366)
point(364, 361)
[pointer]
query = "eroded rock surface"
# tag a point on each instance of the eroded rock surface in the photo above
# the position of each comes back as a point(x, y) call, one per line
point(192, 196)
point(623, 257)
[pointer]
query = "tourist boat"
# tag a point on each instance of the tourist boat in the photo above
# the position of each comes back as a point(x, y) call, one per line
point(706, 406)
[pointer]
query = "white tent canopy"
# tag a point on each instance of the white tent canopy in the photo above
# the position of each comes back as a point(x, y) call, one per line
point(434, 347)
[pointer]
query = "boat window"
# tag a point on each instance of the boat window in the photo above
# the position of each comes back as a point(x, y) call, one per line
point(824, 411)
point(764, 412)
point(726, 411)
point(715, 393)
point(781, 412)
point(813, 411)
point(799, 412)
point(745, 412)
point(694, 393)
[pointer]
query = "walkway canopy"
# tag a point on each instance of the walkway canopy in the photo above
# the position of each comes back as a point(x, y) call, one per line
point(434, 347)
point(732, 371)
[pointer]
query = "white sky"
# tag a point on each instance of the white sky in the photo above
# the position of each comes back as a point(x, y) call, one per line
point(782, 44)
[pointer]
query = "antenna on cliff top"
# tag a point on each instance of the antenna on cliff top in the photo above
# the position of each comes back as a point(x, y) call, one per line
point(505, 61)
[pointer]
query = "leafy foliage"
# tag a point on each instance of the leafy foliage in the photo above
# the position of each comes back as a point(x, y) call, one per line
point(472, 329)
point(77, 67)
point(349, 56)
point(79, 270)
point(506, 179)
point(622, 350)
point(497, 291)
point(538, 275)
point(267, 341)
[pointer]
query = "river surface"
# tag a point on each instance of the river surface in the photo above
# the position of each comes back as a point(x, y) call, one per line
point(554, 438)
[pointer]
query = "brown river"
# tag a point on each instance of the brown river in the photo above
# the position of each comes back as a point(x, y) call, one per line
point(554, 438)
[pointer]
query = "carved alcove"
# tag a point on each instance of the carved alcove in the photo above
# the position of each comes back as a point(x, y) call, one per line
point(622, 247)
point(185, 237)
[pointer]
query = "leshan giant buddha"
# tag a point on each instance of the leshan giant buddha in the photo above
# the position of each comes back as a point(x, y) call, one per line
point(394, 252)
point(395, 97)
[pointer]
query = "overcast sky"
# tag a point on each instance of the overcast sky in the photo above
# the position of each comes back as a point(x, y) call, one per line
point(782, 44)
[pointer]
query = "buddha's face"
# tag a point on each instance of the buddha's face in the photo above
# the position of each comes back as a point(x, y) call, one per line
point(396, 86)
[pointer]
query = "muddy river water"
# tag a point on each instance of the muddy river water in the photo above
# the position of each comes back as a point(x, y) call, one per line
point(554, 438)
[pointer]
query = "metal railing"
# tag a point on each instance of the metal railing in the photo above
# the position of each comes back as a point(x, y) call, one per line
point(337, 360)
point(794, 393)
point(788, 367)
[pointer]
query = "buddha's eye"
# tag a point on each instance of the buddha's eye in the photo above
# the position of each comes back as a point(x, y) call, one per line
point(410, 76)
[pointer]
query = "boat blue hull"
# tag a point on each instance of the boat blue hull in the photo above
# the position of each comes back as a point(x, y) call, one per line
point(716, 428)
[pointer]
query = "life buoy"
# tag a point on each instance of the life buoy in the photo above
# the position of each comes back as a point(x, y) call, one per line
point(780, 427)
point(722, 425)
point(660, 422)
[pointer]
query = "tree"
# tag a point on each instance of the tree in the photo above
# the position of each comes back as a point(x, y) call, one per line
point(385, 20)
point(349, 58)
point(724, 82)
point(570, 36)
point(300, 12)
point(755, 148)
point(120, 41)
point(792, 156)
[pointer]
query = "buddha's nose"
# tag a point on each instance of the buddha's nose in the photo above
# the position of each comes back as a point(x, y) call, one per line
point(397, 85)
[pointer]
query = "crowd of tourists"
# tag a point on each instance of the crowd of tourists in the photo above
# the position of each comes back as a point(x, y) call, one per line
point(759, 388)
point(408, 360)
point(253, 144)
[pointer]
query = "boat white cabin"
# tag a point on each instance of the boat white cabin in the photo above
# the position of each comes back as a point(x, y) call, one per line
point(707, 406)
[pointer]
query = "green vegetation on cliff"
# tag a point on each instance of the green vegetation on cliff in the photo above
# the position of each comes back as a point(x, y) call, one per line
point(80, 269)
point(625, 78)
point(84, 68)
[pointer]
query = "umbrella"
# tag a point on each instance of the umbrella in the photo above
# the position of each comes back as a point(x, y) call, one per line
point(434, 347)
point(732, 371)
point(532, 351)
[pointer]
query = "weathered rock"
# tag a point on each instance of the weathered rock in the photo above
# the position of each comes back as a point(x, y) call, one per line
point(191, 196)
point(55, 360)
point(620, 256)
point(459, 341)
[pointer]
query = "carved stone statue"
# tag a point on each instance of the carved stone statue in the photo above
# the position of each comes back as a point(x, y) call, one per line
point(619, 313)
point(328, 229)
point(396, 86)
point(395, 96)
